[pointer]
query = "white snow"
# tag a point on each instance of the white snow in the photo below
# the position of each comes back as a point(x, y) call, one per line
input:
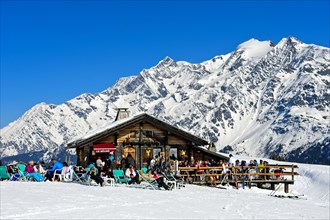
point(47, 200)
point(255, 49)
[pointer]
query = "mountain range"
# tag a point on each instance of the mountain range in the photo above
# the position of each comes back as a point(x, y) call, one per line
point(261, 100)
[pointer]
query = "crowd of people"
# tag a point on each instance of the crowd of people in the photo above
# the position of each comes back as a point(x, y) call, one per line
point(99, 171)
point(227, 169)
point(102, 170)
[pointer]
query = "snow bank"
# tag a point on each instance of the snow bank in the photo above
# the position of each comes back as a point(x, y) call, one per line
point(47, 200)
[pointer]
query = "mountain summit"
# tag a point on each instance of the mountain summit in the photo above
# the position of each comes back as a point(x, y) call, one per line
point(260, 100)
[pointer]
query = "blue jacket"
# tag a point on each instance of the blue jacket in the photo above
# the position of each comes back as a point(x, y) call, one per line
point(57, 166)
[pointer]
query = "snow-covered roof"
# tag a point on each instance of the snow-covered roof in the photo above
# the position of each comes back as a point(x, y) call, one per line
point(132, 119)
point(102, 129)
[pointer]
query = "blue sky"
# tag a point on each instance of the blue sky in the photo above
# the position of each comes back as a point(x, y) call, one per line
point(53, 51)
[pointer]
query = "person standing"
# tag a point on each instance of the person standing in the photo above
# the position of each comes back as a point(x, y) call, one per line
point(130, 161)
point(231, 161)
point(123, 162)
point(98, 162)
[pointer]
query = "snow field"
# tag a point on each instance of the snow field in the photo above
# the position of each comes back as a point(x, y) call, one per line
point(30, 200)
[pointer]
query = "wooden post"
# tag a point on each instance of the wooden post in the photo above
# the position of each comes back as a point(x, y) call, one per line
point(286, 187)
point(292, 172)
point(272, 186)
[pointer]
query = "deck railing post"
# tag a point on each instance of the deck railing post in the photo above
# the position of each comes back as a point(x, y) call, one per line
point(292, 172)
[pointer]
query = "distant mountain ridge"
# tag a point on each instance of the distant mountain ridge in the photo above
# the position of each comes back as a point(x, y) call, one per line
point(260, 100)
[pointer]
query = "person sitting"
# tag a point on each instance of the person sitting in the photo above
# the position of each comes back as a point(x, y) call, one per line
point(102, 169)
point(94, 176)
point(15, 174)
point(109, 173)
point(67, 172)
point(151, 178)
point(130, 172)
point(38, 168)
point(29, 170)
point(160, 180)
point(79, 170)
point(56, 166)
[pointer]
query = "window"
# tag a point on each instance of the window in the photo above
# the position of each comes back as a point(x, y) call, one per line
point(129, 150)
point(174, 152)
point(157, 152)
point(149, 134)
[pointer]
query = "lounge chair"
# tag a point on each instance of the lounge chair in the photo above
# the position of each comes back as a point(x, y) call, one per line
point(177, 183)
point(3, 173)
point(120, 177)
point(149, 184)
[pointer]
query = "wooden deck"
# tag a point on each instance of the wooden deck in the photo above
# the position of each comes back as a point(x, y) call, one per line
point(261, 176)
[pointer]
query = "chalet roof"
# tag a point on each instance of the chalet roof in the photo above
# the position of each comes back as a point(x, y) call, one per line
point(112, 128)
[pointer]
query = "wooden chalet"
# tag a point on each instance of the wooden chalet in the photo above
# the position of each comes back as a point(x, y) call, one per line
point(143, 136)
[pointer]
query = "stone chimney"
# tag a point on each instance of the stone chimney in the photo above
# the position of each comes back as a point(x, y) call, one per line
point(122, 113)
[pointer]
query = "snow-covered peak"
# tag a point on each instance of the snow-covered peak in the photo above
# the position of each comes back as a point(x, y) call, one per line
point(289, 41)
point(255, 49)
point(166, 62)
point(215, 63)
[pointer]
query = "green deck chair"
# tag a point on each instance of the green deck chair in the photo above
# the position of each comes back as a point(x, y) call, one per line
point(120, 177)
point(144, 169)
point(3, 173)
point(24, 176)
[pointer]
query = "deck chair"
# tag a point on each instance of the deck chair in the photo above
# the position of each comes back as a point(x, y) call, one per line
point(77, 177)
point(120, 177)
point(67, 174)
point(57, 173)
point(23, 176)
point(225, 177)
point(3, 173)
point(148, 184)
point(144, 169)
point(177, 183)
point(108, 181)
point(85, 178)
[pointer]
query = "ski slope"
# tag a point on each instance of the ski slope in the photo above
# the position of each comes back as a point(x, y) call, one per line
point(29, 200)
